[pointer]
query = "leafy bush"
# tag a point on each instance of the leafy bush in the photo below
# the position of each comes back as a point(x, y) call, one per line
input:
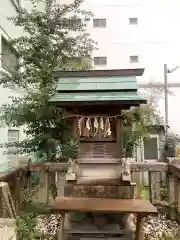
point(26, 223)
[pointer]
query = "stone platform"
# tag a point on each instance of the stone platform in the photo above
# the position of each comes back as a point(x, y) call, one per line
point(117, 191)
point(98, 225)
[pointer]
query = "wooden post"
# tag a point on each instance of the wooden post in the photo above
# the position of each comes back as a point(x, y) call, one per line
point(29, 176)
point(61, 227)
point(52, 184)
point(176, 193)
point(75, 128)
point(150, 187)
point(171, 196)
point(119, 137)
point(154, 187)
point(44, 187)
point(18, 195)
point(178, 203)
point(136, 178)
point(60, 183)
point(139, 228)
point(21, 185)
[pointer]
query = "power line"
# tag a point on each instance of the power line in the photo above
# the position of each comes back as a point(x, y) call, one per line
point(115, 5)
point(159, 85)
point(146, 42)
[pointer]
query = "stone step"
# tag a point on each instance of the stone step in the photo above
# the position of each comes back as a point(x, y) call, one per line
point(103, 232)
point(78, 237)
point(98, 238)
point(105, 154)
point(120, 192)
point(99, 234)
point(97, 160)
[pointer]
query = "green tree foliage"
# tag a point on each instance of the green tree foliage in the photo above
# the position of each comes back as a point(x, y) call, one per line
point(55, 39)
point(138, 123)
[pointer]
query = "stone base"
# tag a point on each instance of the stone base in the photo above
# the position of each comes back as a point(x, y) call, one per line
point(95, 221)
point(99, 225)
point(95, 225)
point(117, 192)
point(100, 236)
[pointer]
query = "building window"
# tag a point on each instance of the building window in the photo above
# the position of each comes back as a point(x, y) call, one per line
point(133, 21)
point(9, 58)
point(151, 148)
point(70, 23)
point(100, 61)
point(134, 59)
point(13, 137)
point(99, 23)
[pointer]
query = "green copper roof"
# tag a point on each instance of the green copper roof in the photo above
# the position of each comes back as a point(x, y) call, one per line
point(97, 97)
point(93, 87)
point(118, 83)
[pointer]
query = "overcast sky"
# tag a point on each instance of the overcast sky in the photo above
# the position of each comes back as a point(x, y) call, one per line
point(169, 32)
point(160, 25)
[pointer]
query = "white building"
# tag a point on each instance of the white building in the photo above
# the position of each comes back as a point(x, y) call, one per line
point(129, 33)
point(8, 60)
point(136, 34)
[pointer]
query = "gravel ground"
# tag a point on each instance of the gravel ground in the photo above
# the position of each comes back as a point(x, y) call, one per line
point(49, 224)
point(154, 226)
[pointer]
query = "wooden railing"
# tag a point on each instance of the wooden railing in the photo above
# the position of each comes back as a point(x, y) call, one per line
point(154, 182)
point(21, 180)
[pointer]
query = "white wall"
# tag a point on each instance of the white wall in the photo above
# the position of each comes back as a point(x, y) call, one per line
point(9, 31)
point(155, 39)
point(149, 39)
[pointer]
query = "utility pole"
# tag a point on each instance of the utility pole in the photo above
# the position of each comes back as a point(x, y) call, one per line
point(166, 100)
point(166, 72)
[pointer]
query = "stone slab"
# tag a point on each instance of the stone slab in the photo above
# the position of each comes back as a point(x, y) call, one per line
point(118, 192)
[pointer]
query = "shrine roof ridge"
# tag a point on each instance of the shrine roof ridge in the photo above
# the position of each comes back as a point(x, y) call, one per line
point(100, 73)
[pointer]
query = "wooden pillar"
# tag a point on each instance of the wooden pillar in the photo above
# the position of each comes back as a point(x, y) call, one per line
point(171, 193)
point(21, 176)
point(119, 139)
point(17, 195)
point(176, 192)
point(171, 196)
point(178, 203)
point(52, 184)
point(61, 227)
point(29, 180)
point(154, 187)
point(60, 183)
point(44, 187)
point(75, 133)
point(136, 178)
point(139, 228)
